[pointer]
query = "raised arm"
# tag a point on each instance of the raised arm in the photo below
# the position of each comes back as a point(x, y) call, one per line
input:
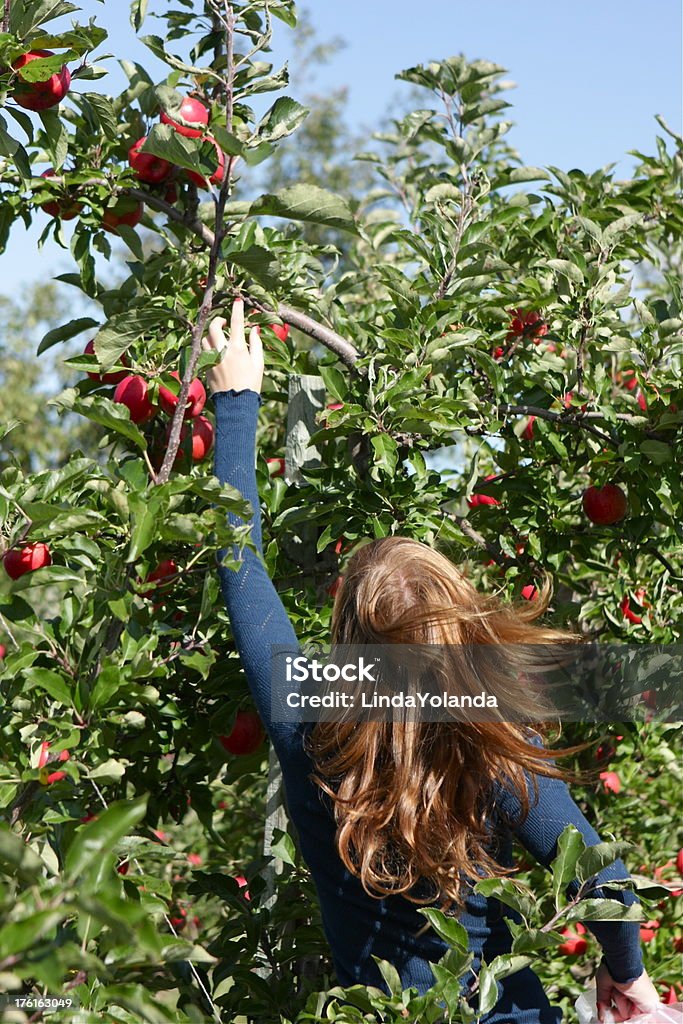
point(257, 616)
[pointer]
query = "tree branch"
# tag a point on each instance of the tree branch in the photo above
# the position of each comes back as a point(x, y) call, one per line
point(214, 256)
point(6, 16)
point(576, 421)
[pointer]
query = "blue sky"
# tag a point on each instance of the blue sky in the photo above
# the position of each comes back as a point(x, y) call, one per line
point(590, 75)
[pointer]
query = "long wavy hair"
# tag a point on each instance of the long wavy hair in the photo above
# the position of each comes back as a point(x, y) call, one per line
point(413, 800)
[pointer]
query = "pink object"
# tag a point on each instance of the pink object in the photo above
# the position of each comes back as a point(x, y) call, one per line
point(663, 1014)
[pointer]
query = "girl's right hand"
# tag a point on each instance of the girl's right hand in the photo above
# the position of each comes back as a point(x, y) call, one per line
point(240, 368)
point(630, 998)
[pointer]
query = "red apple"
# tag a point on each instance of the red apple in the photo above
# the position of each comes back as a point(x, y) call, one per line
point(132, 392)
point(611, 782)
point(627, 611)
point(40, 95)
point(55, 777)
point(65, 207)
point(528, 432)
point(149, 168)
point(333, 588)
point(196, 398)
point(163, 575)
point(124, 210)
point(178, 918)
point(648, 930)
point(106, 378)
point(276, 466)
point(529, 592)
point(243, 883)
point(483, 499)
point(3, 652)
point(190, 110)
point(123, 867)
point(246, 735)
point(217, 176)
point(194, 859)
point(202, 438)
point(604, 752)
point(604, 505)
point(19, 561)
point(574, 944)
point(526, 325)
point(281, 331)
point(679, 861)
point(498, 352)
point(670, 996)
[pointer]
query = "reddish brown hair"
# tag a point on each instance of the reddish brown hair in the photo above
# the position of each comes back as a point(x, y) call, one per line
point(412, 800)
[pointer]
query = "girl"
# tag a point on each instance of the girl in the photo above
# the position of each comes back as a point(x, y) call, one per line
point(390, 816)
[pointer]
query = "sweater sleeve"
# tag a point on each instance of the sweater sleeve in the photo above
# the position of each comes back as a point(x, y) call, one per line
point(257, 615)
point(539, 832)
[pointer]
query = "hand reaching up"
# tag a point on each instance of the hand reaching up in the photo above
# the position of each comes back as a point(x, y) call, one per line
point(241, 366)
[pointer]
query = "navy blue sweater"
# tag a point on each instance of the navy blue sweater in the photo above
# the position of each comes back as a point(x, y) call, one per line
point(357, 925)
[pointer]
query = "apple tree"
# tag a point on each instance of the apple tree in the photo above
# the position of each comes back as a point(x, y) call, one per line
point(501, 351)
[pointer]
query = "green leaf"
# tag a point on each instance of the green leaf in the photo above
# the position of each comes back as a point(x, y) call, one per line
point(109, 771)
point(597, 857)
point(103, 112)
point(65, 332)
point(51, 682)
point(15, 938)
point(391, 976)
point(145, 520)
point(24, 18)
point(656, 451)
point(335, 382)
point(386, 452)
point(508, 963)
point(488, 989)
point(283, 847)
point(570, 270)
point(112, 415)
point(283, 118)
point(228, 142)
point(512, 894)
point(138, 10)
point(570, 846)
point(448, 928)
point(520, 174)
point(98, 837)
point(123, 329)
point(260, 263)
point(17, 858)
point(57, 137)
point(308, 203)
point(603, 910)
point(165, 142)
point(42, 68)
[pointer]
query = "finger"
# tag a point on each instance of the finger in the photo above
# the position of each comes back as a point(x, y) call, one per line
point(217, 337)
point(237, 324)
point(206, 345)
point(624, 1005)
point(256, 347)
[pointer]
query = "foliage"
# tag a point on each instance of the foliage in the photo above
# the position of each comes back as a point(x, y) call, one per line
point(411, 327)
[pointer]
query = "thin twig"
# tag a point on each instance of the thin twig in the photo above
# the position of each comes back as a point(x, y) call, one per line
point(6, 16)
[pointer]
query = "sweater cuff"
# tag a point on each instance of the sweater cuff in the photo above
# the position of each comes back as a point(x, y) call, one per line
point(623, 977)
point(223, 400)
